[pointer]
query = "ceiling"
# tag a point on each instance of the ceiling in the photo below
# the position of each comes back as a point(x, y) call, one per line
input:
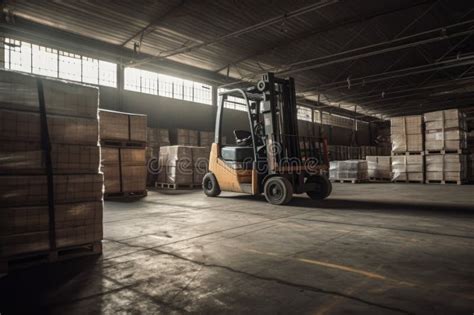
point(376, 58)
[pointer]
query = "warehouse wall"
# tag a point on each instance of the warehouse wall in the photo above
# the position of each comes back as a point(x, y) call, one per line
point(170, 113)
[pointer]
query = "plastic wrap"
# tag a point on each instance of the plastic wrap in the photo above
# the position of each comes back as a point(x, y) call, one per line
point(350, 169)
point(183, 165)
point(445, 130)
point(379, 167)
point(408, 168)
point(406, 133)
point(448, 167)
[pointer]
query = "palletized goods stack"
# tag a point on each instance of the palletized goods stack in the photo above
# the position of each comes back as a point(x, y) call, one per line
point(379, 167)
point(353, 171)
point(182, 166)
point(156, 138)
point(407, 148)
point(446, 144)
point(123, 139)
point(187, 137)
point(50, 185)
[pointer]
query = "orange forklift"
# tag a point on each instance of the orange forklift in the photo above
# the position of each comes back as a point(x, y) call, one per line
point(271, 158)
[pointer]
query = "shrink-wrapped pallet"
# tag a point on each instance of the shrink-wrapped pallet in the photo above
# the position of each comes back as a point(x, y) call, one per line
point(407, 134)
point(120, 126)
point(445, 130)
point(446, 167)
point(379, 167)
point(182, 165)
point(407, 168)
point(355, 170)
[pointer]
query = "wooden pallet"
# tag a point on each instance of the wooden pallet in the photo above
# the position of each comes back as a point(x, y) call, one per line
point(23, 261)
point(177, 186)
point(124, 195)
point(352, 181)
point(122, 144)
point(379, 180)
point(443, 182)
point(408, 153)
point(408, 181)
point(458, 151)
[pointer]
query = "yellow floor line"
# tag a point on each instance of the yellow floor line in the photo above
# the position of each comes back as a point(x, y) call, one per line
point(334, 266)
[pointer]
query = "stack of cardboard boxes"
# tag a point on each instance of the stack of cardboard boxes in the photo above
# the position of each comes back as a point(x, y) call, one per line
point(445, 144)
point(123, 143)
point(407, 149)
point(50, 185)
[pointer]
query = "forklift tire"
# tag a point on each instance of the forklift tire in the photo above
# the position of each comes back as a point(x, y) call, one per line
point(325, 187)
point(278, 190)
point(210, 186)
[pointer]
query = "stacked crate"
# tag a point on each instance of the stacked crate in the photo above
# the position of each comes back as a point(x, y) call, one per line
point(379, 167)
point(182, 166)
point(48, 208)
point(407, 148)
point(446, 144)
point(123, 144)
point(353, 171)
point(155, 139)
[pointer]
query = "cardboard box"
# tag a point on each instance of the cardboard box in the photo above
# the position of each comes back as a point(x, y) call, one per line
point(122, 126)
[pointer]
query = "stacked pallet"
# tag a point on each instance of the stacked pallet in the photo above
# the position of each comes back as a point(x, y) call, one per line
point(206, 138)
point(446, 168)
point(379, 167)
point(50, 185)
point(354, 171)
point(445, 143)
point(408, 168)
point(123, 145)
point(406, 133)
point(155, 139)
point(182, 166)
point(187, 137)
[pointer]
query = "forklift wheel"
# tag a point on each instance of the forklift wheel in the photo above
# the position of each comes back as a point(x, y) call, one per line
point(325, 187)
point(278, 190)
point(210, 186)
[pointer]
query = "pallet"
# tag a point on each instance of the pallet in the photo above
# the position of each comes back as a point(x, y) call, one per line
point(458, 151)
point(23, 261)
point(408, 153)
point(409, 181)
point(352, 181)
point(443, 182)
point(177, 186)
point(122, 144)
point(379, 180)
point(124, 195)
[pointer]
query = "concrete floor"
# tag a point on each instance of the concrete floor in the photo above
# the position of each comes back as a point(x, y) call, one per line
point(369, 248)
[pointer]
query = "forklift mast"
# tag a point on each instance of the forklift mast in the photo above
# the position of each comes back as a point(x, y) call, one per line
point(279, 112)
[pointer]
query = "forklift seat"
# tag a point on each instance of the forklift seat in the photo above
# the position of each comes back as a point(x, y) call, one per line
point(243, 137)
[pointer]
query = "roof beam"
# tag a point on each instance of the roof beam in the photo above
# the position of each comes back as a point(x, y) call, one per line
point(284, 17)
point(154, 23)
point(319, 31)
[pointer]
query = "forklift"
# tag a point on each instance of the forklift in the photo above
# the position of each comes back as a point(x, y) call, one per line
point(271, 158)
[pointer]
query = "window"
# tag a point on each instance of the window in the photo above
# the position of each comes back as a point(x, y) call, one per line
point(42, 60)
point(168, 86)
point(107, 73)
point(69, 66)
point(233, 102)
point(338, 121)
point(304, 113)
point(317, 116)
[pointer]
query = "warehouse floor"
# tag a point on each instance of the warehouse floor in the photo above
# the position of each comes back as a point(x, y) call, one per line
point(370, 248)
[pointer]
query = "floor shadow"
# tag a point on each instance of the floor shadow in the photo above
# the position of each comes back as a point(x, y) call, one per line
point(406, 208)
